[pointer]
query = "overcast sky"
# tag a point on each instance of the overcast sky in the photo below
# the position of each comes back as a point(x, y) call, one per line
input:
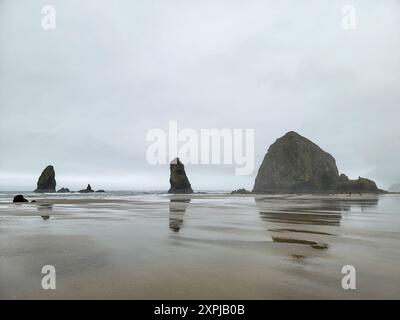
point(82, 97)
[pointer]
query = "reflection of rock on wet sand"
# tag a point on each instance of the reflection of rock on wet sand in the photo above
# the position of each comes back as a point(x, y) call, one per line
point(45, 210)
point(366, 204)
point(307, 221)
point(177, 209)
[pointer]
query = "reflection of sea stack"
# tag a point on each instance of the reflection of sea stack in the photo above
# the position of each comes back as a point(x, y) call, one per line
point(178, 179)
point(45, 210)
point(308, 220)
point(177, 209)
point(296, 164)
point(294, 221)
point(47, 181)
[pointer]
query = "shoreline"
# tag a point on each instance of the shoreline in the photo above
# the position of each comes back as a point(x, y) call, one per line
point(114, 198)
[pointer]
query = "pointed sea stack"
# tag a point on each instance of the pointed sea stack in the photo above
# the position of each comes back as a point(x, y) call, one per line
point(294, 164)
point(47, 181)
point(87, 190)
point(178, 179)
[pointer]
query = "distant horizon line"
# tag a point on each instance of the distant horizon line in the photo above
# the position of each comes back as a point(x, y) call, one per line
point(121, 190)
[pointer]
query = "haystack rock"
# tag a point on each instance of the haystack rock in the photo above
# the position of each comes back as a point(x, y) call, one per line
point(47, 180)
point(294, 164)
point(178, 179)
point(87, 190)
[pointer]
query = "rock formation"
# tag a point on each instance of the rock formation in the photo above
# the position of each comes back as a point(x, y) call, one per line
point(177, 209)
point(87, 190)
point(294, 164)
point(101, 190)
point(240, 191)
point(178, 179)
point(359, 185)
point(63, 190)
point(19, 198)
point(47, 181)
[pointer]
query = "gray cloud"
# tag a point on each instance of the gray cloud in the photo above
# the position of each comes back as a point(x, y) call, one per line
point(83, 96)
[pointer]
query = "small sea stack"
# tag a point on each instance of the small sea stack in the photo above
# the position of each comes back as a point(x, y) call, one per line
point(63, 190)
point(87, 190)
point(47, 181)
point(19, 198)
point(178, 180)
point(240, 191)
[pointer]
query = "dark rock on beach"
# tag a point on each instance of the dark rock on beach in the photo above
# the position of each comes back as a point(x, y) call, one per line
point(19, 198)
point(101, 190)
point(64, 190)
point(47, 181)
point(87, 190)
point(294, 164)
point(178, 179)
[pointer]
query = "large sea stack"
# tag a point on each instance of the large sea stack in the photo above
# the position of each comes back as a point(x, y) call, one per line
point(178, 179)
point(294, 164)
point(47, 181)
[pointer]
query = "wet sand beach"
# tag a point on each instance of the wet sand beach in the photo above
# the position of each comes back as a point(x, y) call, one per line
point(201, 246)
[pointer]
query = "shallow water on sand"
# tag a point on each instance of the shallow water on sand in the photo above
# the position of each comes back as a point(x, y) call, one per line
point(203, 246)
